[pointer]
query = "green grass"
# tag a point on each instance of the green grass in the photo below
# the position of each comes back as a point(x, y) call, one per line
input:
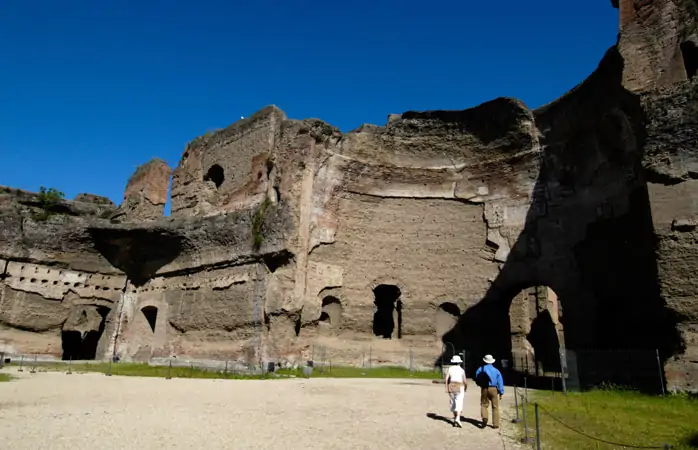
point(618, 416)
point(145, 370)
point(5, 377)
point(359, 372)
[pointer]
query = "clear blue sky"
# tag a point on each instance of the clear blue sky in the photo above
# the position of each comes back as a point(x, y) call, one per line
point(90, 89)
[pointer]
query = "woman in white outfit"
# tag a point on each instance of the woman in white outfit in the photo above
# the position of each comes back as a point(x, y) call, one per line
point(455, 387)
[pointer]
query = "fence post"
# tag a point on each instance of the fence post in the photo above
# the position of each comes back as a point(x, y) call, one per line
point(411, 361)
point(527, 438)
point(70, 360)
point(537, 428)
point(516, 405)
point(526, 388)
point(169, 371)
point(33, 369)
point(659, 367)
point(225, 371)
point(109, 367)
point(21, 362)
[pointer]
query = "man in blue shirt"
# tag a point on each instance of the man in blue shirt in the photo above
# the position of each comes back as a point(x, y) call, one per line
point(491, 384)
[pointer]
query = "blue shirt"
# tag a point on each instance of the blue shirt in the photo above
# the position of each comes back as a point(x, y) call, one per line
point(495, 377)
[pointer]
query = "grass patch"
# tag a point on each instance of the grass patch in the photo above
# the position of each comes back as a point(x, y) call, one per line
point(141, 370)
point(619, 416)
point(145, 370)
point(5, 377)
point(358, 372)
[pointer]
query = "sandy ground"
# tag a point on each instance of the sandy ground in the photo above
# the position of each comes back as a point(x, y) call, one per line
point(92, 411)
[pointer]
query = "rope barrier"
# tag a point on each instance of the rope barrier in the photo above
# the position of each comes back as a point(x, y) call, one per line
point(665, 446)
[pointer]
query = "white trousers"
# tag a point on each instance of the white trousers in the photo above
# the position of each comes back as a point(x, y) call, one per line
point(457, 401)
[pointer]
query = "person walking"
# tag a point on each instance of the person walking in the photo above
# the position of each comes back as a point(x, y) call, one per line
point(456, 383)
point(491, 384)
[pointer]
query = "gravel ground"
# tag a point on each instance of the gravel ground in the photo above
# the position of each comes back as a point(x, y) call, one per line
point(92, 411)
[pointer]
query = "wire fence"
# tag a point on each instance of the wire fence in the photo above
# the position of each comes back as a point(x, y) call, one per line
point(317, 360)
point(586, 369)
point(534, 433)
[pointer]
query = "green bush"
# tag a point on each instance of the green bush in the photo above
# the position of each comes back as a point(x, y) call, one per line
point(258, 223)
point(48, 198)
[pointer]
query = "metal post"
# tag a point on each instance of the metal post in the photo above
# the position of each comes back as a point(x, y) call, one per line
point(659, 367)
point(109, 367)
point(21, 362)
point(411, 361)
point(526, 388)
point(537, 428)
point(70, 360)
point(225, 371)
point(33, 369)
point(526, 439)
point(169, 371)
point(516, 405)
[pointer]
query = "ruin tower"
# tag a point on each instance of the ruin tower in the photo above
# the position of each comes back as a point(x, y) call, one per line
point(658, 41)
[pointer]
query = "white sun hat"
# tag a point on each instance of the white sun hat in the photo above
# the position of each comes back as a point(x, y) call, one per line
point(488, 359)
point(456, 360)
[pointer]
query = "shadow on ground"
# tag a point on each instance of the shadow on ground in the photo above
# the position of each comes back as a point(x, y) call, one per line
point(473, 422)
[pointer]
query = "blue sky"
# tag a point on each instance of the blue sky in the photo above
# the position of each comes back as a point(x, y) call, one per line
point(90, 89)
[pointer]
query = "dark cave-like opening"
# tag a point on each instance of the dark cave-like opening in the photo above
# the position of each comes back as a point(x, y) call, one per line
point(388, 315)
point(546, 344)
point(151, 315)
point(79, 346)
point(689, 51)
point(216, 174)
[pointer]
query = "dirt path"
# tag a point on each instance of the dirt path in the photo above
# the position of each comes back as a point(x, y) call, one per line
point(86, 411)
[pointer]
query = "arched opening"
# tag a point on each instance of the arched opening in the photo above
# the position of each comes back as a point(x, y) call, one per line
point(80, 341)
point(689, 51)
point(151, 315)
point(331, 311)
point(215, 174)
point(536, 331)
point(546, 344)
point(387, 319)
point(446, 318)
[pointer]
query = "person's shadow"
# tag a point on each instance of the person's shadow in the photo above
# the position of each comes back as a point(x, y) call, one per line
point(473, 422)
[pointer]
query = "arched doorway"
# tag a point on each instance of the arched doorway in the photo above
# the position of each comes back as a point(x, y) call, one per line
point(151, 315)
point(387, 319)
point(331, 311)
point(83, 331)
point(536, 331)
point(446, 318)
point(689, 51)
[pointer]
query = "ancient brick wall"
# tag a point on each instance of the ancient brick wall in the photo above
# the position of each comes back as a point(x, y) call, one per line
point(224, 170)
point(146, 192)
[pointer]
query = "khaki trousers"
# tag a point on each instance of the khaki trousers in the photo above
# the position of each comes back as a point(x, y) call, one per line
point(490, 395)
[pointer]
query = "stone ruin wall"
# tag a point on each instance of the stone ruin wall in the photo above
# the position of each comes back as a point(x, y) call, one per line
point(496, 215)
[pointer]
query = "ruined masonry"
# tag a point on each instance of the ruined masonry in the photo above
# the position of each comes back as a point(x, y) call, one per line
point(569, 226)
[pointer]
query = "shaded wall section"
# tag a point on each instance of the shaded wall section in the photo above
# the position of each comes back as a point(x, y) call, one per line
point(588, 233)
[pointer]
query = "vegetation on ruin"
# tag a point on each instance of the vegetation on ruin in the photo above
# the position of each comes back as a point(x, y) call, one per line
point(620, 416)
point(199, 140)
point(258, 218)
point(48, 198)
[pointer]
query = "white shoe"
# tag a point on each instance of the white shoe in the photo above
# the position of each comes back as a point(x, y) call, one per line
point(457, 423)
